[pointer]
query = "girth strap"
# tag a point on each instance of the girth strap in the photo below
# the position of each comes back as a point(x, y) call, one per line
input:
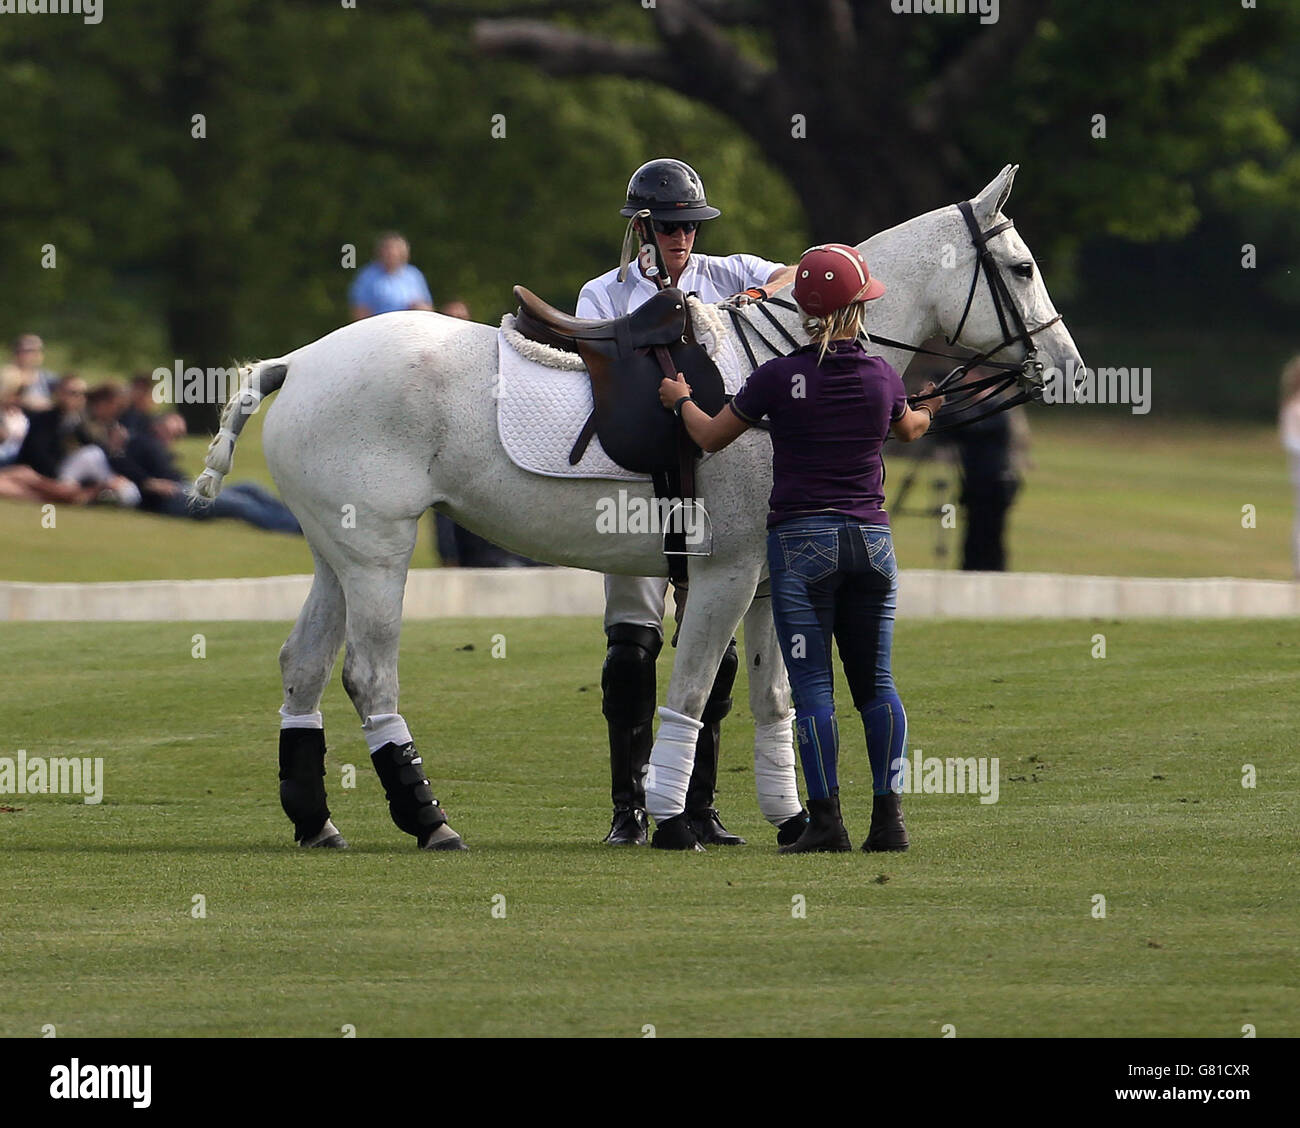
point(675, 539)
point(583, 440)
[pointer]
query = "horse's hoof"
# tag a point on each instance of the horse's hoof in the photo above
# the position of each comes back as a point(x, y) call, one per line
point(327, 838)
point(676, 833)
point(790, 830)
point(443, 838)
point(333, 842)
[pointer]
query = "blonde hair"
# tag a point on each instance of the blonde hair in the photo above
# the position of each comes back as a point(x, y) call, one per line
point(1290, 386)
point(847, 322)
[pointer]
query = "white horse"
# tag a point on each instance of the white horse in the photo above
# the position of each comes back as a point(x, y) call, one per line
point(387, 417)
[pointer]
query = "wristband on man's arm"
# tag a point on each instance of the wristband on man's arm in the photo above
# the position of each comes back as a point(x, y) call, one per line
point(677, 407)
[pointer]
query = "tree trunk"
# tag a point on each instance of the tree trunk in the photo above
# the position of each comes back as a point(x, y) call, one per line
point(877, 147)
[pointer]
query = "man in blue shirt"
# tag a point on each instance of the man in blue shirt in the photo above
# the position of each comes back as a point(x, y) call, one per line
point(390, 283)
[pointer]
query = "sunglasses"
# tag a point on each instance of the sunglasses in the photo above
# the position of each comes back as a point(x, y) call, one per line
point(669, 227)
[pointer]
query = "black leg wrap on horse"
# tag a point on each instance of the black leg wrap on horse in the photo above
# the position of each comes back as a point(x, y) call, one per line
point(408, 791)
point(302, 780)
point(704, 775)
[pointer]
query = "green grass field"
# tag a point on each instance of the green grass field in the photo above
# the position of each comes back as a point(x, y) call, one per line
point(1107, 496)
point(1119, 776)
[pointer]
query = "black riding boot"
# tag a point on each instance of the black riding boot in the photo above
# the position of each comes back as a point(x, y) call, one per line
point(703, 785)
point(700, 791)
point(825, 833)
point(629, 756)
point(627, 683)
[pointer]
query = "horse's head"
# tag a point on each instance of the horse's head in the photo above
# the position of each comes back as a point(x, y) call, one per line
point(1020, 297)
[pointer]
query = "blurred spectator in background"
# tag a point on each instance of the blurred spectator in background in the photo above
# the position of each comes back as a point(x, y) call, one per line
point(29, 356)
point(1289, 418)
point(105, 404)
point(140, 410)
point(456, 308)
point(991, 453)
point(59, 445)
point(390, 283)
point(19, 482)
point(459, 548)
point(152, 467)
point(13, 419)
point(22, 483)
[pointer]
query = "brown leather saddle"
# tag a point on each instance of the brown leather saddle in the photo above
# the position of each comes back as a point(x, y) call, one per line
point(626, 358)
point(624, 361)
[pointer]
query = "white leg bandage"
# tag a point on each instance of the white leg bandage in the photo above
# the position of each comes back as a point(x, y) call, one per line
point(671, 761)
point(778, 788)
point(300, 720)
point(385, 728)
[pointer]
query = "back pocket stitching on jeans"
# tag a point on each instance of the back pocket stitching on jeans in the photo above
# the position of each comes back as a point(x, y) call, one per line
point(827, 555)
point(874, 558)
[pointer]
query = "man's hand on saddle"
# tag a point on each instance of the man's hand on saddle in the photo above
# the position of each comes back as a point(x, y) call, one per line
point(747, 297)
point(670, 391)
point(777, 280)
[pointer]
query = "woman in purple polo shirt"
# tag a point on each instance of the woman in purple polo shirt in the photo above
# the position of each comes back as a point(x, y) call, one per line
point(829, 549)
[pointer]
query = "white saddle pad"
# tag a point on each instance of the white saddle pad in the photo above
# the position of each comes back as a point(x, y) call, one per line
point(544, 398)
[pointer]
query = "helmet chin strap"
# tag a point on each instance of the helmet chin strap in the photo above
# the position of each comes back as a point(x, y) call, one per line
point(631, 241)
point(640, 246)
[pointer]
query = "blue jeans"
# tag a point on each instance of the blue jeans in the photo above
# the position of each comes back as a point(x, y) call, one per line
point(245, 501)
point(835, 577)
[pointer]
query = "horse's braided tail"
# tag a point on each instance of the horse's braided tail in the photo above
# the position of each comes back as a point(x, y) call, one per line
point(256, 382)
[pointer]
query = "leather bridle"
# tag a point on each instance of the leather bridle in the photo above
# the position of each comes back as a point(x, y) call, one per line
point(1003, 304)
point(988, 392)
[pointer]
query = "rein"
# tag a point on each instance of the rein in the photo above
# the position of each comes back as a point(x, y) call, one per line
point(1028, 373)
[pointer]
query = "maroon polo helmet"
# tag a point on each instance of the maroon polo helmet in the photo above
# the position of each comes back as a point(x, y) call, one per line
point(832, 276)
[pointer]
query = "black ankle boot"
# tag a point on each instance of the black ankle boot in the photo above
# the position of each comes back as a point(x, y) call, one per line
point(887, 830)
point(627, 827)
point(825, 833)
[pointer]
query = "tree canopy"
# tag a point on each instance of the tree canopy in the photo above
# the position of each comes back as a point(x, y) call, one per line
point(499, 138)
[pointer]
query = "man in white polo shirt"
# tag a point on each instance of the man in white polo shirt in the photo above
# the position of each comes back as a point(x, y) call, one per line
point(634, 606)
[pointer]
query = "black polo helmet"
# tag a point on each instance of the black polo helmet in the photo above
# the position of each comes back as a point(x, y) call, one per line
point(670, 189)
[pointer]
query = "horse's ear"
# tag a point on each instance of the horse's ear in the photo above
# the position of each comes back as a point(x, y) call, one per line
point(993, 197)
